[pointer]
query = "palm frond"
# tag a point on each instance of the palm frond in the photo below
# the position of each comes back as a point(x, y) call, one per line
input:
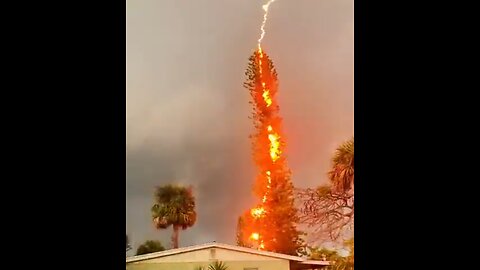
point(175, 205)
point(342, 173)
point(218, 266)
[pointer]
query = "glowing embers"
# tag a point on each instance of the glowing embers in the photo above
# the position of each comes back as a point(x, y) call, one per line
point(268, 142)
point(266, 92)
point(264, 200)
point(257, 212)
point(274, 139)
point(256, 237)
point(267, 98)
point(269, 179)
point(260, 66)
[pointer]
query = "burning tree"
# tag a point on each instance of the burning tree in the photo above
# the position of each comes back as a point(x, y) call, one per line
point(271, 225)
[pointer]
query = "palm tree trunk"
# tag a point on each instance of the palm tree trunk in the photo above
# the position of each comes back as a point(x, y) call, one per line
point(176, 230)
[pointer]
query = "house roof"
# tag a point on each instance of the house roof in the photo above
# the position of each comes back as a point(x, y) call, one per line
point(222, 246)
point(314, 262)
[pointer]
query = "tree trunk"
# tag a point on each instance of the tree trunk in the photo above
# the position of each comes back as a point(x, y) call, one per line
point(176, 230)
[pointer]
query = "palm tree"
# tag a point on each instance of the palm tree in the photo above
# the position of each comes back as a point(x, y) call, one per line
point(342, 174)
point(218, 266)
point(174, 205)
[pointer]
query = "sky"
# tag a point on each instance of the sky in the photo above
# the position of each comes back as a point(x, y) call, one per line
point(187, 110)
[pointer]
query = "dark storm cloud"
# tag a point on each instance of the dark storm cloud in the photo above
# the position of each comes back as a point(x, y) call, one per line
point(187, 113)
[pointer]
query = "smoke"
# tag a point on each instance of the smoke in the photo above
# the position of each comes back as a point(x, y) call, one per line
point(184, 142)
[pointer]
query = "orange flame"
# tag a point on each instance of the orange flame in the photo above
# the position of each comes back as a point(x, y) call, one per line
point(274, 151)
point(266, 97)
point(273, 137)
point(257, 212)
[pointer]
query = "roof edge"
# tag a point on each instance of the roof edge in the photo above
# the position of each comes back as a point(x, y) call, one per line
point(315, 262)
point(211, 245)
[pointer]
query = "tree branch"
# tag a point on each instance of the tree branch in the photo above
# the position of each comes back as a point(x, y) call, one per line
point(328, 212)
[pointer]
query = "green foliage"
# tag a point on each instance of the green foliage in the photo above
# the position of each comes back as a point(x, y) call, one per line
point(342, 173)
point(214, 266)
point(337, 262)
point(218, 266)
point(150, 246)
point(174, 206)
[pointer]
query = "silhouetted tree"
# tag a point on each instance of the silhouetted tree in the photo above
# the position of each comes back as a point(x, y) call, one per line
point(150, 246)
point(174, 206)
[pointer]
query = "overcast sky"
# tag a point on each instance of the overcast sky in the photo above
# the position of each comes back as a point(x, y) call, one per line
point(187, 112)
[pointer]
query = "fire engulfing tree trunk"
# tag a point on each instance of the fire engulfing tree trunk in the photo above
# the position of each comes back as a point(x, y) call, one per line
point(271, 225)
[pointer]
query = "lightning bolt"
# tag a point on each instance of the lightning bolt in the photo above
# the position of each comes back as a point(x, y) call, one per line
point(262, 28)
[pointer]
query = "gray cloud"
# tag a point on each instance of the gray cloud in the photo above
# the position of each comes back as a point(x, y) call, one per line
point(187, 113)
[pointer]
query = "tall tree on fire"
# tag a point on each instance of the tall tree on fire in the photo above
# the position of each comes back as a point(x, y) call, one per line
point(271, 225)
